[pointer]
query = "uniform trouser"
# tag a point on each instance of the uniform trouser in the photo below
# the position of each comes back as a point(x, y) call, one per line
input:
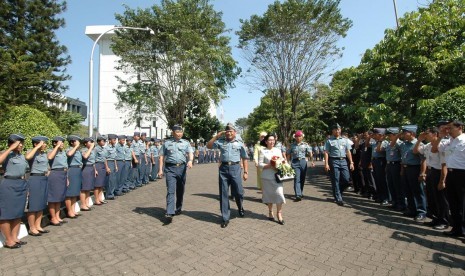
point(416, 199)
point(379, 169)
point(131, 180)
point(395, 186)
point(154, 172)
point(339, 173)
point(201, 158)
point(300, 168)
point(138, 173)
point(230, 175)
point(175, 184)
point(455, 183)
point(111, 185)
point(437, 201)
point(121, 175)
point(143, 169)
point(368, 182)
point(148, 170)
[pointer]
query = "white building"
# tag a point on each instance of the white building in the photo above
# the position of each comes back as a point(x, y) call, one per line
point(109, 119)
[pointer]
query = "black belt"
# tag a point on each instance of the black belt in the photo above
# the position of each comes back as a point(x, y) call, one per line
point(393, 162)
point(76, 166)
point(37, 174)
point(230, 163)
point(121, 160)
point(110, 159)
point(297, 159)
point(13, 177)
point(456, 170)
point(407, 166)
point(433, 168)
point(174, 164)
point(374, 158)
point(60, 169)
point(338, 158)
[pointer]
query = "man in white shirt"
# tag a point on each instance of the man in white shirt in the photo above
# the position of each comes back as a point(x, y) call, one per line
point(454, 152)
point(438, 205)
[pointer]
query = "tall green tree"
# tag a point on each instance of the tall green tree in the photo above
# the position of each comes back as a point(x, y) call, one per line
point(188, 55)
point(33, 62)
point(289, 48)
point(417, 62)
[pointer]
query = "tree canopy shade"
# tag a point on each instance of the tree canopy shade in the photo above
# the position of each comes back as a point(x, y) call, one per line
point(188, 55)
point(289, 48)
point(33, 63)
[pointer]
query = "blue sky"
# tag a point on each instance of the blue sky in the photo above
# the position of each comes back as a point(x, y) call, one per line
point(370, 18)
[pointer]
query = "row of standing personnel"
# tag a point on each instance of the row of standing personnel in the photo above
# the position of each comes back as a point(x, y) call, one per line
point(422, 176)
point(58, 175)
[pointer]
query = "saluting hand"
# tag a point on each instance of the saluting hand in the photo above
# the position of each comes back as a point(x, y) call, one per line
point(422, 136)
point(14, 145)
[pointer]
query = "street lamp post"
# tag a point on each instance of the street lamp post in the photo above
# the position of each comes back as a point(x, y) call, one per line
point(91, 71)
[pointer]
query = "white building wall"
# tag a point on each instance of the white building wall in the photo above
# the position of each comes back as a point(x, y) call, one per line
point(109, 119)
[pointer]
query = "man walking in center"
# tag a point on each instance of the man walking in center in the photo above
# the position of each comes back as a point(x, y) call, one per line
point(233, 152)
point(173, 156)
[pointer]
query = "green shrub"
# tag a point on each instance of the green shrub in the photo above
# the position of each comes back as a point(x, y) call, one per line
point(28, 121)
point(450, 105)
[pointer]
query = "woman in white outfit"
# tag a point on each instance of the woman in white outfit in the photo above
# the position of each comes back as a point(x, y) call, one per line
point(273, 192)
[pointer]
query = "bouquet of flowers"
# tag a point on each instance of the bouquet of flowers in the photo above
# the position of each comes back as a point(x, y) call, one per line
point(285, 171)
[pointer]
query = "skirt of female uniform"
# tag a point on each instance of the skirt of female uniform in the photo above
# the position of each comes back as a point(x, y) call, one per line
point(75, 182)
point(88, 178)
point(102, 177)
point(12, 198)
point(38, 191)
point(57, 181)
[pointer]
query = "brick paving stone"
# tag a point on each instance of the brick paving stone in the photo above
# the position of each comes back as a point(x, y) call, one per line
point(129, 236)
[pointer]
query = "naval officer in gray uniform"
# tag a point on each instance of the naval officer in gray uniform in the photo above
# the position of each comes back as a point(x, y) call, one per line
point(233, 152)
point(173, 156)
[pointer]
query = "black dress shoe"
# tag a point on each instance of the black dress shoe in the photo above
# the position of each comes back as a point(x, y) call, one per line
point(177, 212)
point(15, 246)
point(241, 212)
point(224, 224)
point(38, 234)
point(169, 218)
point(440, 227)
point(340, 203)
point(453, 233)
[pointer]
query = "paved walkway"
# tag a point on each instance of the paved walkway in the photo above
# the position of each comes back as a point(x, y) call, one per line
point(128, 236)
